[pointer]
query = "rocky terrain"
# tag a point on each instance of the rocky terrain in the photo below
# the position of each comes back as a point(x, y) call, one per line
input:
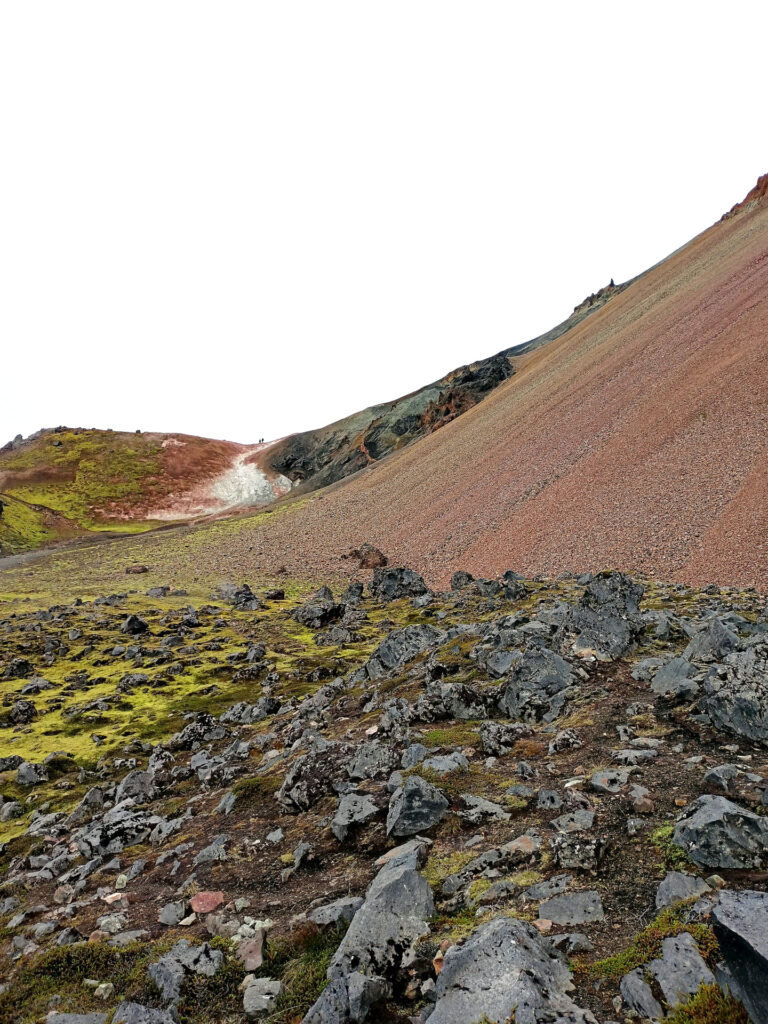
point(527, 799)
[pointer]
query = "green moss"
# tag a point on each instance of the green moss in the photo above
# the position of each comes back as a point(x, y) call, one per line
point(648, 944)
point(710, 1006)
point(300, 963)
point(463, 734)
point(673, 857)
point(439, 867)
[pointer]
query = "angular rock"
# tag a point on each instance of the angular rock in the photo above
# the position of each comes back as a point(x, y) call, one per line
point(678, 886)
point(717, 833)
point(607, 618)
point(675, 680)
point(171, 970)
point(740, 922)
point(354, 810)
point(414, 807)
point(402, 646)
point(505, 971)
point(536, 686)
point(680, 970)
point(390, 584)
point(573, 908)
point(333, 914)
point(736, 693)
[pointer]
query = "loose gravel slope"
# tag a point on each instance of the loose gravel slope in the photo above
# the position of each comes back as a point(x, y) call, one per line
point(637, 440)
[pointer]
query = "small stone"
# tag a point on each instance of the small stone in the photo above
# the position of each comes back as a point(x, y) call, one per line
point(206, 902)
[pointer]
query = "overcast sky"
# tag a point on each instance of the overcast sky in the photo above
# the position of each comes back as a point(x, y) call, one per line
point(245, 219)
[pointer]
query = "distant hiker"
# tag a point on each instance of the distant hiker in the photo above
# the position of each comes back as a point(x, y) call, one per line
point(611, 285)
point(3, 504)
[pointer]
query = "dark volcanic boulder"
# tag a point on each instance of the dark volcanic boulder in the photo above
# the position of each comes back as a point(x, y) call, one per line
point(737, 693)
point(415, 806)
point(740, 922)
point(401, 646)
point(313, 775)
point(391, 584)
point(319, 611)
point(607, 618)
point(712, 642)
point(505, 971)
point(536, 686)
point(133, 625)
point(717, 833)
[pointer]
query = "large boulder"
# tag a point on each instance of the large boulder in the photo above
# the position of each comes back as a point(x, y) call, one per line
point(607, 618)
point(415, 806)
point(536, 686)
point(713, 641)
point(319, 611)
point(354, 809)
point(740, 921)
point(736, 693)
point(312, 775)
point(380, 941)
point(184, 960)
point(717, 833)
point(402, 646)
point(505, 971)
point(392, 583)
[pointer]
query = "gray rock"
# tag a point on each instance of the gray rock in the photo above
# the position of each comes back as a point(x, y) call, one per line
point(740, 922)
point(505, 970)
point(171, 970)
point(393, 917)
point(354, 809)
point(551, 887)
point(333, 914)
point(736, 693)
point(138, 785)
point(402, 646)
point(414, 807)
point(390, 584)
point(312, 776)
point(711, 643)
point(728, 777)
point(610, 780)
point(499, 738)
point(28, 774)
point(575, 821)
point(680, 970)
point(637, 994)
point(136, 1013)
point(76, 1018)
point(607, 618)
point(536, 686)
point(371, 760)
point(332, 1007)
point(172, 913)
point(259, 996)
point(446, 764)
point(678, 886)
point(133, 625)
point(573, 908)
point(717, 833)
point(477, 809)
point(676, 680)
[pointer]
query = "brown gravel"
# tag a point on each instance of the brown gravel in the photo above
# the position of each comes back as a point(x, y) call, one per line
point(637, 441)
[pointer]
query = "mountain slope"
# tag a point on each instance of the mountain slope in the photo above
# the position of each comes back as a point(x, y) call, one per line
point(637, 440)
point(63, 483)
point(316, 458)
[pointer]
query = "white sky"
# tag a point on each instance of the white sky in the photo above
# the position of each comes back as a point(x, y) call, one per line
point(245, 219)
